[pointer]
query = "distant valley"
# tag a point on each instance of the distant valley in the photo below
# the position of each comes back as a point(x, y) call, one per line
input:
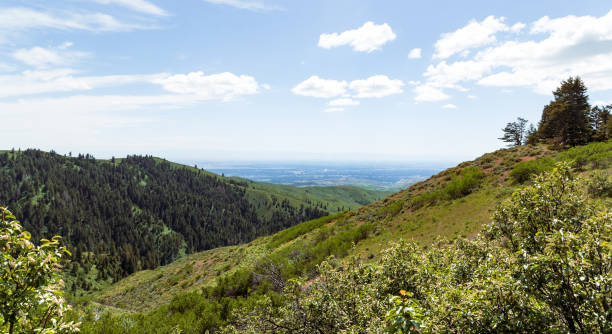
point(377, 176)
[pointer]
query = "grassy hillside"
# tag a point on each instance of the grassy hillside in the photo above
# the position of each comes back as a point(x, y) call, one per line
point(454, 203)
point(334, 198)
point(403, 215)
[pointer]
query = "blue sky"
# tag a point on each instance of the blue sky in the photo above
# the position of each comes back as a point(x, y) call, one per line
point(290, 80)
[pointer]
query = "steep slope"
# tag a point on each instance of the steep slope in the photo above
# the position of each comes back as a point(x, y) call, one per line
point(456, 202)
point(125, 215)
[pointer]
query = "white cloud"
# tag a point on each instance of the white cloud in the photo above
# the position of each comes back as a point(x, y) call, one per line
point(376, 86)
point(62, 80)
point(517, 27)
point(449, 106)
point(45, 57)
point(345, 102)
point(12, 19)
point(427, 93)
point(195, 85)
point(137, 5)
point(59, 120)
point(449, 75)
point(415, 53)
point(367, 38)
point(333, 109)
point(474, 34)
point(245, 4)
point(472, 97)
point(323, 88)
point(38, 57)
point(6, 68)
point(551, 51)
point(223, 86)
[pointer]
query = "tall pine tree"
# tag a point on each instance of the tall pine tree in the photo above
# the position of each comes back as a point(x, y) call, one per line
point(565, 120)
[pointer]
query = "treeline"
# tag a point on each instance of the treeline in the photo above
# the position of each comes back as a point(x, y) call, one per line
point(568, 120)
point(121, 216)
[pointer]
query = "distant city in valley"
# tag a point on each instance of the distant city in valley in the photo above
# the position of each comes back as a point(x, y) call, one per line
point(379, 176)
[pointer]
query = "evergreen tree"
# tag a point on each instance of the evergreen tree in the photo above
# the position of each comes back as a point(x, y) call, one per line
point(599, 117)
point(565, 120)
point(514, 132)
point(531, 136)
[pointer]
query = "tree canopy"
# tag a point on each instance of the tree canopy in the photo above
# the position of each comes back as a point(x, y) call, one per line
point(565, 120)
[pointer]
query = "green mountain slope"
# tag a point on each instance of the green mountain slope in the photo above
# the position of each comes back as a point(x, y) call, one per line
point(123, 215)
point(454, 203)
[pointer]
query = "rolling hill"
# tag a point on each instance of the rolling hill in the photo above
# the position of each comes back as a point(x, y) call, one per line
point(453, 204)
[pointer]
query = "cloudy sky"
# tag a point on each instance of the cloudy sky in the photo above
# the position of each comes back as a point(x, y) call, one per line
point(290, 80)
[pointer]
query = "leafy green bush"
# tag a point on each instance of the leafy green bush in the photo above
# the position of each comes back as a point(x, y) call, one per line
point(562, 247)
point(543, 266)
point(30, 283)
point(468, 181)
point(426, 198)
point(334, 241)
point(523, 171)
point(188, 313)
point(390, 209)
point(301, 229)
point(458, 186)
point(597, 155)
point(405, 317)
point(600, 184)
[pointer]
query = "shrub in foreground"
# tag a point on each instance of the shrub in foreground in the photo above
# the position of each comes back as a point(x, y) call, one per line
point(543, 266)
point(30, 286)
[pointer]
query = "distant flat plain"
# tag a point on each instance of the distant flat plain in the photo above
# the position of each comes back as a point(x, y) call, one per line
point(379, 176)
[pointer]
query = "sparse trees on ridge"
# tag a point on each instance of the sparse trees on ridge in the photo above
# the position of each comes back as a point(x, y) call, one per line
point(514, 132)
point(568, 120)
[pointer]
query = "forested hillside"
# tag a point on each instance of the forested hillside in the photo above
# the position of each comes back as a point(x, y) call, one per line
point(125, 215)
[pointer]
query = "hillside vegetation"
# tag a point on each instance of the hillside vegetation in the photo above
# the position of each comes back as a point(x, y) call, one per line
point(120, 216)
point(218, 287)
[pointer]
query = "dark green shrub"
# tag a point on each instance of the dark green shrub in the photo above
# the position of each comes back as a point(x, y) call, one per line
point(523, 171)
point(301, 229)
point(458, 186)
point(600, 184)
point(463, 185)
point(597, 155)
